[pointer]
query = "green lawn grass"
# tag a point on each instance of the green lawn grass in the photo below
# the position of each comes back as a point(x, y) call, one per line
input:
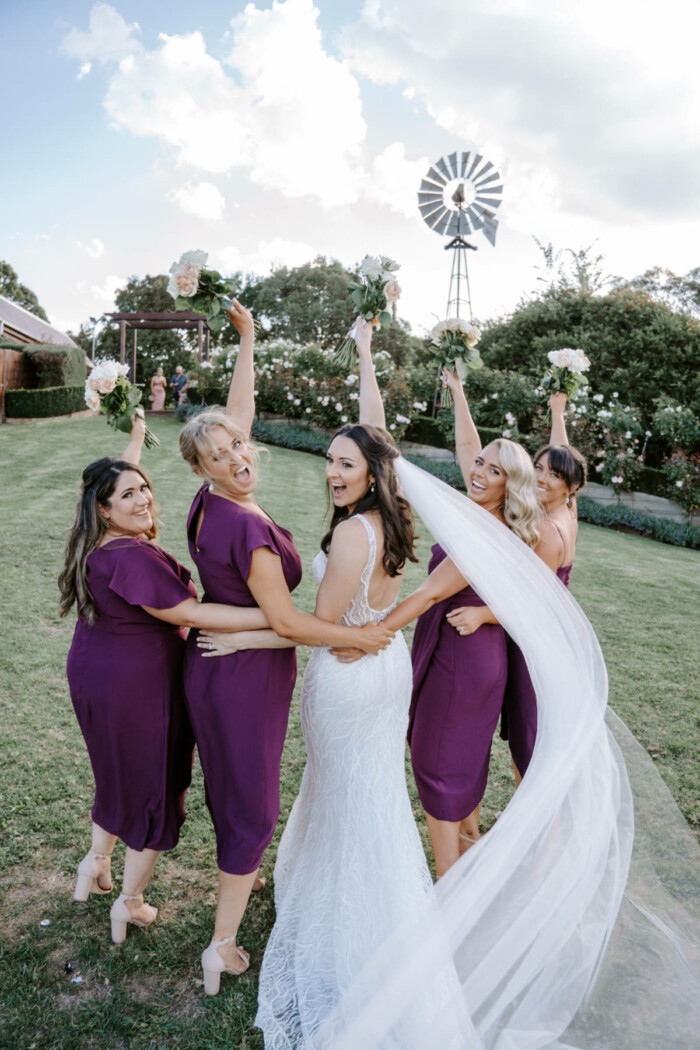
point(147, 993)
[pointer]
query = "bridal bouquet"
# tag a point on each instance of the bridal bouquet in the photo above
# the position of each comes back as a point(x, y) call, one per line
point(566, 372)
point(200, 291)
point(455, 340)
point(371, 298)
point(108, 390)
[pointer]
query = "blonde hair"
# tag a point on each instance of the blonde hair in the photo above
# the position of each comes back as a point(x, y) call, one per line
point(195, 440)
point(521, 508)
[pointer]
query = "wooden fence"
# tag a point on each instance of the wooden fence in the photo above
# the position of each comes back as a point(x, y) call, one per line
point(15, 374)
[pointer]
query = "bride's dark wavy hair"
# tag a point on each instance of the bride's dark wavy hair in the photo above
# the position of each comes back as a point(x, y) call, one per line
point(99, 482)
point(379, 451)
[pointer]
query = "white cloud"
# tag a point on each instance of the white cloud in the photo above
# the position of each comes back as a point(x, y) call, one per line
point(202, 199)
point(84, 70)
point(106, 291)
point(291, 114)
point(268, 254)
point(394, 180)
point(94, 248)
point(109, 38)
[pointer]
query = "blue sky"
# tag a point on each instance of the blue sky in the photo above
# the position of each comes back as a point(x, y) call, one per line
point(269, 132)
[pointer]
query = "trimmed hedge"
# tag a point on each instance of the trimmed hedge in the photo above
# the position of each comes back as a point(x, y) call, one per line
point(298, 438)
point(56, 366)
point(677, 533)
point(426, 431)
point(49, 401)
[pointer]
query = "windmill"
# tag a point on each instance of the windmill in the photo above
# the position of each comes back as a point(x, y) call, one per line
point(458, 196)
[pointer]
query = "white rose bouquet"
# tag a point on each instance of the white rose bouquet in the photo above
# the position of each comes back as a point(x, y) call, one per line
point(566, 371)
point(201, 291)
point(108, 390)
point(455, 341)
point(371, 298)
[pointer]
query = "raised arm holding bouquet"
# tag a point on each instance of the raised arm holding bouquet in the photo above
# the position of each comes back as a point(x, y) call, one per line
point(566, 373)
point(108, 390)
point(455, 340)
point(371, 299)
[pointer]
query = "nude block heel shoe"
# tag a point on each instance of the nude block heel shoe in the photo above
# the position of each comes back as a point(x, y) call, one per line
point(120, 916)
point(213, 965)
point(89, 872)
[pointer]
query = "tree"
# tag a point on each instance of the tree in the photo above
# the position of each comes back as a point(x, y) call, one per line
point(11, 289)
point(311, 304)
point(664, 286)
point(569, 270)
point(637, 347)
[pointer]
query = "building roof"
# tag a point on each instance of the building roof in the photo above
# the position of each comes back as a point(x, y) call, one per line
point(19, 324)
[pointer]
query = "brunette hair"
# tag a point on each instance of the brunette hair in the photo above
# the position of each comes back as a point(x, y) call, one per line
point(378, 449)
point(569, 464)
point(99, 482)
point(195, 440)
point(521, 508)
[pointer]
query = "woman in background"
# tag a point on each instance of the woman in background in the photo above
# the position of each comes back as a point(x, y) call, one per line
point(158, 389)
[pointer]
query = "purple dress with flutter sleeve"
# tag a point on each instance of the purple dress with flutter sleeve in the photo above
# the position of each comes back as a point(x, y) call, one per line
point(239, 703)
point(125, 678)
point(519, 715)
point(458, 685)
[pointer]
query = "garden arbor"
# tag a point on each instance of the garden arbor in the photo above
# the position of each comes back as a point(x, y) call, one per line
point(142, 321)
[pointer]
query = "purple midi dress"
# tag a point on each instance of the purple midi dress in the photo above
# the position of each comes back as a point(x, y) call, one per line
point(125, 678)
point(458, 685)
point(519, 715)
point(239, 703)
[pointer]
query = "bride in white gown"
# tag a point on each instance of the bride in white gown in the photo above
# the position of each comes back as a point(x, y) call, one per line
point(350, 865)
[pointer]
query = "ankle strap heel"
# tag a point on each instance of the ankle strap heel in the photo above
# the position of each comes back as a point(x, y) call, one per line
point(89, 871)
point(213, 965)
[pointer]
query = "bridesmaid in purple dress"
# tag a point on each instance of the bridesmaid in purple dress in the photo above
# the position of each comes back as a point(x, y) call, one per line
point(124, 672)
point(239, 704)
point(561, 472)
point(459, 650)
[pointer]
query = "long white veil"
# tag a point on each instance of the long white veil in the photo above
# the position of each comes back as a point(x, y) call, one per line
point(554, 930)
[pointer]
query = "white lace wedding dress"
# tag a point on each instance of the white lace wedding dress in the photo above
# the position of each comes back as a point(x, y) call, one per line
point(350, 866)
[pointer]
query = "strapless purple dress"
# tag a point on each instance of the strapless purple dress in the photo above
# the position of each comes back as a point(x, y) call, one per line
point(458, 687)
point(125, 678)
point(239, 704)
point(519, 715)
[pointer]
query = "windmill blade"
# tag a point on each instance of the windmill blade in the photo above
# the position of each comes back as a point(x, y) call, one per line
point(477, 175)
point(463, 165)
point(475, 217)
point(429, 186)
point(442, 166)
point(436, 176)
point(438, 219)
point(476, 161)
point(441, 225)
point(429, 198)
point(431, 212)
point(486, 180)
point(490, 229)
point(452, 161)
point(458, 224)
point(488, 202)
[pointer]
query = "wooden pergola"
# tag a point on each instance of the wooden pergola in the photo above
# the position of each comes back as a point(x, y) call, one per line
point(141, 321)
